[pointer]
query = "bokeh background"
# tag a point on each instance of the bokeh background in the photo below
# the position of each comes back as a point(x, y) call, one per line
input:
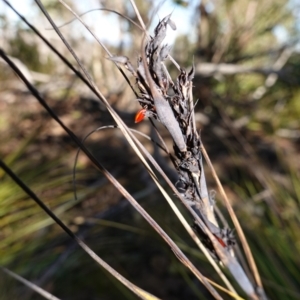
point(246, 55)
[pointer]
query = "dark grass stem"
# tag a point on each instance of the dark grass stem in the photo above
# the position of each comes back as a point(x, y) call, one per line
point(29, 284)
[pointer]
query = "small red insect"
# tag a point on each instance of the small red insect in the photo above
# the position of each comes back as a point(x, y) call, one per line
point(140, 115)
point(220, 241)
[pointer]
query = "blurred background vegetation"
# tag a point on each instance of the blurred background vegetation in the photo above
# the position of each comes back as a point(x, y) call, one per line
point(246, 55)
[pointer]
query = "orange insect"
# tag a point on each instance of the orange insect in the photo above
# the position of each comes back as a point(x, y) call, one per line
point(140, 115)
point(220, 241)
